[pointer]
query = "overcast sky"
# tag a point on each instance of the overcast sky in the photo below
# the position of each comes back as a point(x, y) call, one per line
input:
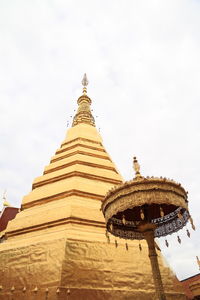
point(142, 59)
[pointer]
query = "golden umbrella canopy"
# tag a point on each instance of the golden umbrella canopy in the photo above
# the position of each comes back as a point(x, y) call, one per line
point(158, 201)
point(145, 208)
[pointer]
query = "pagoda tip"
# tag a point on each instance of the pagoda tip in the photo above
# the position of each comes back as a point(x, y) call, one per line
point(85, 83)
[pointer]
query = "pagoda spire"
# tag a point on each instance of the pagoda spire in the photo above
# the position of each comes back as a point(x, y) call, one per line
point(84, 114)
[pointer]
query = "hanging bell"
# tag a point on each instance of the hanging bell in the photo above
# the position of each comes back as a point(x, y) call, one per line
point(123, 220)
point(24, 289)
point(179, 239)
point(108, 239)
point(161, 212)
point(126, 246)
point(192, 224)
point(111, 227)
point(188, 233)
point(58, 291)
point(141, 214)
point(107, 236)
point(166, 243)
point(193, 227)
point(140, 247)
point(116, 244)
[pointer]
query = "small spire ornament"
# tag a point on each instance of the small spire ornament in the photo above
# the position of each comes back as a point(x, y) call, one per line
point(4, 198)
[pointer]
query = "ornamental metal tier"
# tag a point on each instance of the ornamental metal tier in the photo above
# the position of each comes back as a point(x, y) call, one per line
point(145, 200)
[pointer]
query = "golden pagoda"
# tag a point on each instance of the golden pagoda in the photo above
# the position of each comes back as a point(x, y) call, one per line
point(56, 247)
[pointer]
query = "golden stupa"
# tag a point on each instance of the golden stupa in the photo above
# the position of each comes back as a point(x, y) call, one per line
point(56, 246)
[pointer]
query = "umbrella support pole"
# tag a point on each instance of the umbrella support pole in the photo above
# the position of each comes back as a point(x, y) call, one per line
point(149, 236)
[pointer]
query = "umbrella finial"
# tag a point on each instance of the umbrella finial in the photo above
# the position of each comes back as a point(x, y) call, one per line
point(136, 167)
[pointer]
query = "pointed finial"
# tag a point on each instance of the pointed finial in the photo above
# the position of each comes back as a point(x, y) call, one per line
point(136, 167)
point(85, 83)
point(5, 202)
